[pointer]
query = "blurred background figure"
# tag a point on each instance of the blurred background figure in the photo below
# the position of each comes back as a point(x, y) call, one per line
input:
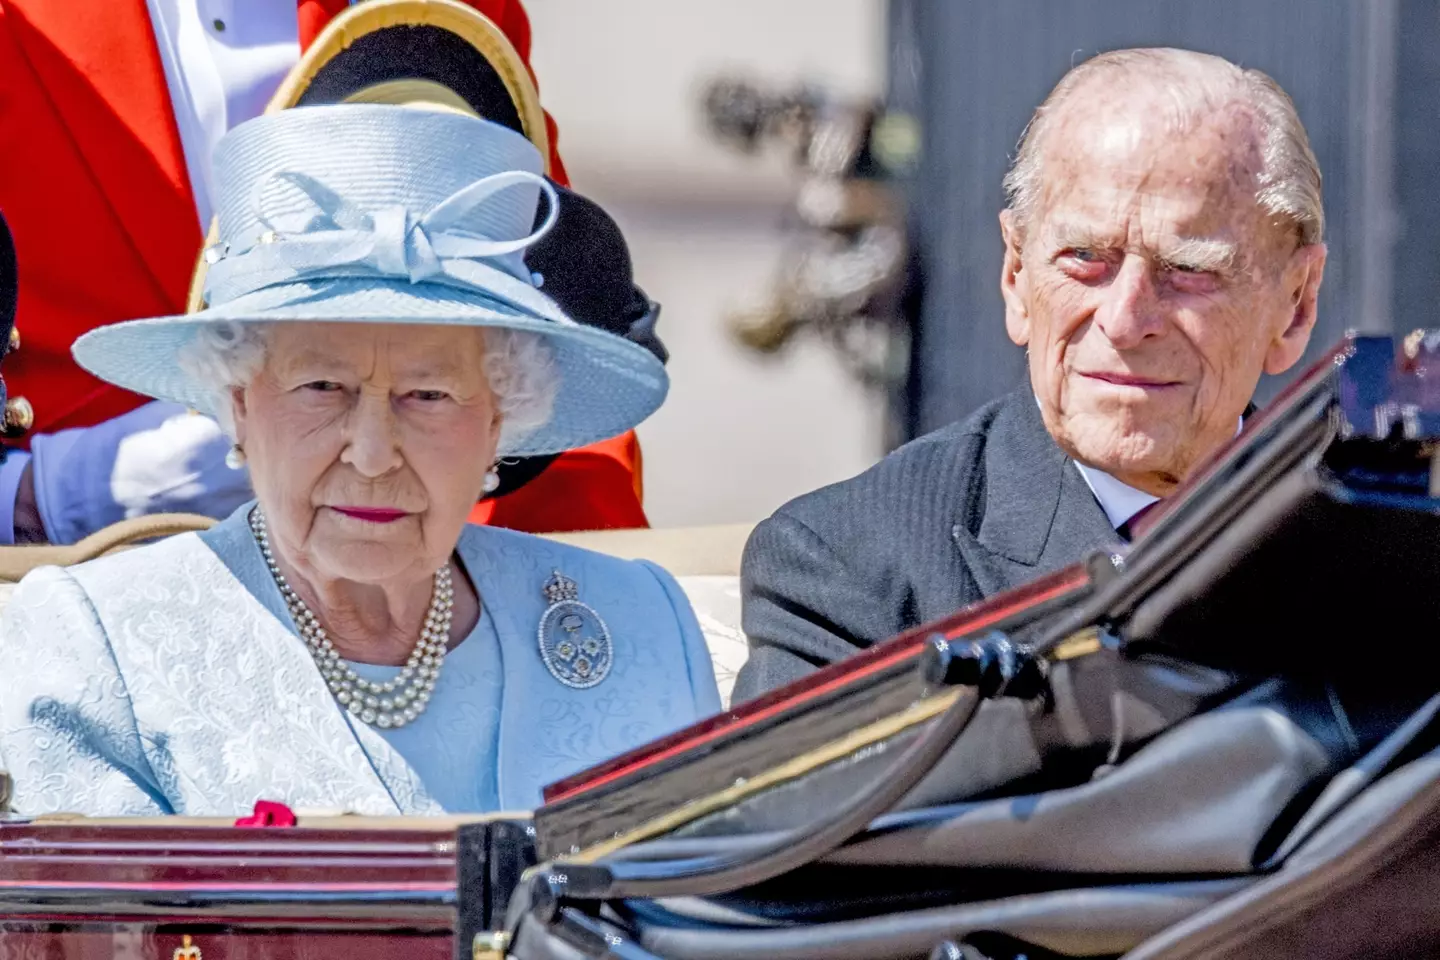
point(110, 116)
point(794, 365)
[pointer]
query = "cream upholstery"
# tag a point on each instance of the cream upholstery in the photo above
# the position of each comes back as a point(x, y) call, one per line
point(15, 562)
point(705, 560)
point(684, 551)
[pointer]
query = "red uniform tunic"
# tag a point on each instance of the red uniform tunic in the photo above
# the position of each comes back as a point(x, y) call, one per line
point(94, 184)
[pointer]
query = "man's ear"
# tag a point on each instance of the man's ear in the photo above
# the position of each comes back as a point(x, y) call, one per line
point(1302, 290)
point(1013, 281)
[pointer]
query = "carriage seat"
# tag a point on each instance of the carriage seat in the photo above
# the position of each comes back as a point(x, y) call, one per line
point(705, 561)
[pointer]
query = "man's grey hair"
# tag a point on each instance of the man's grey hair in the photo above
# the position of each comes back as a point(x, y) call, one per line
point(1197, 83)
point(518, 365)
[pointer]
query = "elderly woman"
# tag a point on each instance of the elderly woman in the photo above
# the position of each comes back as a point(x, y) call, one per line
point(374, 343)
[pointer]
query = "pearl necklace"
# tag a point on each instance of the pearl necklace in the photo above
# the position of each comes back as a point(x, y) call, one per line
point(393, 703)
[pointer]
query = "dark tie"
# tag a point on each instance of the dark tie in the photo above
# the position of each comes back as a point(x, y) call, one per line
point(1127, 529)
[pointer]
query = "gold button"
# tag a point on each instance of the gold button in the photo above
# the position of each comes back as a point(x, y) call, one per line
point(14, 339)
point(19, 416)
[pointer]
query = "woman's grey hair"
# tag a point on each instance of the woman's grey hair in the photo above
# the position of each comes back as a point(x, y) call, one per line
point(1197, 83)
point(519, 366)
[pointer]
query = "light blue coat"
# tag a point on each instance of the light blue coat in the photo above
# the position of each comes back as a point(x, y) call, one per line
point(168, 679)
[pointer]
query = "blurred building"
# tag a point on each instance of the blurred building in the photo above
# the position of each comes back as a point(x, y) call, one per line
point(740, 433)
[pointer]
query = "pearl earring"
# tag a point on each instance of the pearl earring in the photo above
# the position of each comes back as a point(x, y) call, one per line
point(492, 481)
point(235, 459)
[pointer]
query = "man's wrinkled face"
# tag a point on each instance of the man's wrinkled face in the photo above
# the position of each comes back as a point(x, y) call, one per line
point(1150, 287)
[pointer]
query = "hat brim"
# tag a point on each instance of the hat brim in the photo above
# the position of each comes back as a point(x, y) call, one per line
point(607, 385)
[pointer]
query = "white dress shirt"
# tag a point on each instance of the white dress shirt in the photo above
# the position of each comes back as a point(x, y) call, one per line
point(223, 59)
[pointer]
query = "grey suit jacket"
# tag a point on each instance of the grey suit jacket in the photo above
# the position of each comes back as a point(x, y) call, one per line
point(951, 518)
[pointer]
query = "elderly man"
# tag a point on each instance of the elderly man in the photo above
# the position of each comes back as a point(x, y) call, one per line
point(1162, 249)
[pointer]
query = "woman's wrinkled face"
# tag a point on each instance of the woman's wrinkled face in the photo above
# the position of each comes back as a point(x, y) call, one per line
point(368, 445)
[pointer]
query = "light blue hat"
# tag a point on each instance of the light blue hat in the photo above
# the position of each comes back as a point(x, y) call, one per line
point(382, 214)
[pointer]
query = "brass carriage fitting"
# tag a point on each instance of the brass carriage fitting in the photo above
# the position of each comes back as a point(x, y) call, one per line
point(490, 945)
point(14, 340)
point(1412, 342)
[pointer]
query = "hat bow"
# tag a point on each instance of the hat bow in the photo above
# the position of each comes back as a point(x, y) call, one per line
point(454, 242)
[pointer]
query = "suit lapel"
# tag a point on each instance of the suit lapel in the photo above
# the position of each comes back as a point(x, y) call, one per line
point(1038, 513)
point(101, 70)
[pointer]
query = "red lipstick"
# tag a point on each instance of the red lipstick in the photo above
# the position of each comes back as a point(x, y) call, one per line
point(372, 514)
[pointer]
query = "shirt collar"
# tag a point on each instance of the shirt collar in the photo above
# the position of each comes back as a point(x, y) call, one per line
point(1120, 501)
